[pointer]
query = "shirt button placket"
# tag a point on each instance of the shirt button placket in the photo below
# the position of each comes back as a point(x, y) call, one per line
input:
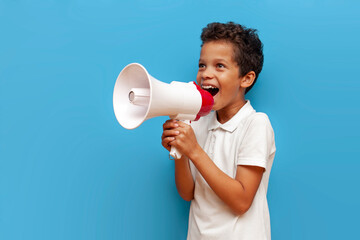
point(212, 144)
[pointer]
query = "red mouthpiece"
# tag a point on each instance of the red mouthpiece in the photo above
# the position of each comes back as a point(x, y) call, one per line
point(207, 102)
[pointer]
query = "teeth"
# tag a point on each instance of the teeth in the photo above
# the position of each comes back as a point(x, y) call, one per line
point(208, 87)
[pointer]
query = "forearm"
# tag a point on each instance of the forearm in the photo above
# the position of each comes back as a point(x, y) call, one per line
point(183, 179)
point(238, 193)
point(231, 191)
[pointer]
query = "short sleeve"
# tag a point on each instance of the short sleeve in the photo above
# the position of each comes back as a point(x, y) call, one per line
point(258, 144)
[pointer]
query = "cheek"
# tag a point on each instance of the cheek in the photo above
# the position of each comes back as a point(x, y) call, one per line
point(198, 79)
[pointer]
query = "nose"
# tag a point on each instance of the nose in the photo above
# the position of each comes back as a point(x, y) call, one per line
point(207, 74)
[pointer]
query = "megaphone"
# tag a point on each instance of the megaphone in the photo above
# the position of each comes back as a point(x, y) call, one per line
point(138, 96)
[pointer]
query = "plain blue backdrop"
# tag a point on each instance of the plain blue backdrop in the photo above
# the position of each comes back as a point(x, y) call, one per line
point(68, 170)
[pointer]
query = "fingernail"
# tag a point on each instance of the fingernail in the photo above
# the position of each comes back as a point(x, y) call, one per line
point(176, 125)
point(177, 132)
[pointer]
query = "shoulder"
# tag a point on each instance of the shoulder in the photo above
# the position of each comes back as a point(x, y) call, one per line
point(258, 119)
point(258, 124)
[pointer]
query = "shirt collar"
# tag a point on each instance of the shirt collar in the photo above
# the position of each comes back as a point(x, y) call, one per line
point(234, 122)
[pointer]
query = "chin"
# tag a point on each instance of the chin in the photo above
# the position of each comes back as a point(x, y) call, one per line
point(215, 107)
point(215, 99)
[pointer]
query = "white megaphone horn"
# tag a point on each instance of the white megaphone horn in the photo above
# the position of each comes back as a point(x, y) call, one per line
point(138, 96)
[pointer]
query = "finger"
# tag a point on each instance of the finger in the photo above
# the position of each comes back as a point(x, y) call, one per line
point(170, 133)
point(166, 123)
point(175, 143)
point(166, 142)
point(182, 124)
point(170, 124)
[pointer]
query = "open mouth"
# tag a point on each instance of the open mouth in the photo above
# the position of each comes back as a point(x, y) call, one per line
point(211, 89)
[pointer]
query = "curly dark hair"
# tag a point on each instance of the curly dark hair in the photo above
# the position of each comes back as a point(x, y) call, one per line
point(248, 49)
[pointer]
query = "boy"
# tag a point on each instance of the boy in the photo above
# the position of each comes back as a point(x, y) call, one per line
point(228, 154)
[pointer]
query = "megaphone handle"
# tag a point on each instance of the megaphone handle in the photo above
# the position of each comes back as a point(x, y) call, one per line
point(174, 152)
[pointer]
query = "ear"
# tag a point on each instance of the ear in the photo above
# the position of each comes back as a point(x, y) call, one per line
point(248, 79)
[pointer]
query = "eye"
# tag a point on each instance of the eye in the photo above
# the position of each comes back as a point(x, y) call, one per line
point(220, 65)
point(201, 65)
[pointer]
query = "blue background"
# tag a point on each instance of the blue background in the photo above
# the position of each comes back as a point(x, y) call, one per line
point(68, 170)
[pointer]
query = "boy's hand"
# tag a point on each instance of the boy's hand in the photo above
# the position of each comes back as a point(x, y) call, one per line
point(169, 133)
point(181, 136)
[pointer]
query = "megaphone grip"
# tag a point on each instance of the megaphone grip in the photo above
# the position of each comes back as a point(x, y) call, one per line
point(174, 152)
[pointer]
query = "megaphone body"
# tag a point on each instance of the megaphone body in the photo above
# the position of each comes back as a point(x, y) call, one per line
point(138, 96)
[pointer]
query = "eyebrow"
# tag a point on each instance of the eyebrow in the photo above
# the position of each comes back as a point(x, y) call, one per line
point(216, 60)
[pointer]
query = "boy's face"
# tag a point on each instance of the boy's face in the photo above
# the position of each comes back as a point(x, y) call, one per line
point(219, 74)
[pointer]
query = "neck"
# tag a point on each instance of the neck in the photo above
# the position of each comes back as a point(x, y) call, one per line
point(225, 114)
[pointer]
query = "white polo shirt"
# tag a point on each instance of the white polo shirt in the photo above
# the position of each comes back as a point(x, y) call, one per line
point(246, 139)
